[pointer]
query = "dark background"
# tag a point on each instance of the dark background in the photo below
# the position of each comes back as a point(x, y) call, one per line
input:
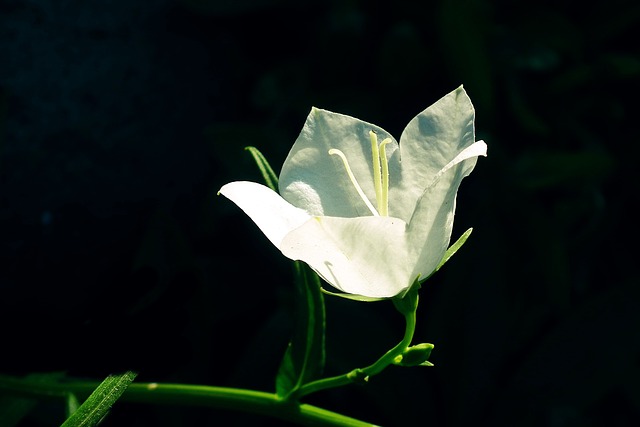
point(119, 121)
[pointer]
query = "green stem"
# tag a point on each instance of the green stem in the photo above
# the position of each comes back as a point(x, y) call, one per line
point(362, 374)
point(250, 401)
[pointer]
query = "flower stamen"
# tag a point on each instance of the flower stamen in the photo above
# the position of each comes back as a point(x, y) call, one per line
point(354, 182)
point(380, 172)
point(383, 202)
point(375, 156)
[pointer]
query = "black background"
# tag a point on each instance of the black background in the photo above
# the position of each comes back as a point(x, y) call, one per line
point(119, 122)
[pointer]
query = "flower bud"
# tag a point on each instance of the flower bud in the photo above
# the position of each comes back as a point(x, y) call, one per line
point(417, 355)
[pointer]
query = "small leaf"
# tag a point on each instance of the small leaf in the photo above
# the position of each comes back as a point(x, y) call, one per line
point(100, 401)
point(270, 177)
point(287, 377)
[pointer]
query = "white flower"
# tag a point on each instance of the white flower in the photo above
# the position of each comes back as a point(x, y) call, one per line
point(369, 215)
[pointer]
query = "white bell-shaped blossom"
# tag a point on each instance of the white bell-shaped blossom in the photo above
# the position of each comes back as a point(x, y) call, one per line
point(369, 215)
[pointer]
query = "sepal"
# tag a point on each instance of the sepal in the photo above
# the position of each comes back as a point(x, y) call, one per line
point(408, 303)
point(352, 297)
point(451, 251)
point(454, 248)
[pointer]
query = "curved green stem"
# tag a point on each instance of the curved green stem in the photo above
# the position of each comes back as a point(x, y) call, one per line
point(251, 401)
point(362, 374)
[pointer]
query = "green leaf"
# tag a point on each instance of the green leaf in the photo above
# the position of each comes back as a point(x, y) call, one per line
point(100, 401)
point(270, 177)
point(305, 356)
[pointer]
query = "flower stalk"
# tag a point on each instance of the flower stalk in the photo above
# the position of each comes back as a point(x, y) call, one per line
point(251, 401)
point(389, 358)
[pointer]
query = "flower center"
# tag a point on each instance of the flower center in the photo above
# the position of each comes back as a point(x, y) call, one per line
point(380, 175)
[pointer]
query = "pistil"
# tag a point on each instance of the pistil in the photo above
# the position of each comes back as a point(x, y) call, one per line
point(354, 182)
point(380, 175)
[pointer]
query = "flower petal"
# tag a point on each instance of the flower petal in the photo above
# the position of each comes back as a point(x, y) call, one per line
point(430, 141)
point(316, 181)
point(271, 213)
point(431, 225)
point(364, 256)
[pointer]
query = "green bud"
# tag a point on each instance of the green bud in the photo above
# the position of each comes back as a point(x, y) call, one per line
point(417, 355)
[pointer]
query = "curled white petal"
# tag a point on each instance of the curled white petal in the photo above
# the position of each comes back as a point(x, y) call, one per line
point(478, 148)
point(272, 214)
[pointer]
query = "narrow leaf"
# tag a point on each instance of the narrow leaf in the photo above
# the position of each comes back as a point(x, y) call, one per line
point(287, 376)
point(270, 177)
point(305, 356)
point(100, 401)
